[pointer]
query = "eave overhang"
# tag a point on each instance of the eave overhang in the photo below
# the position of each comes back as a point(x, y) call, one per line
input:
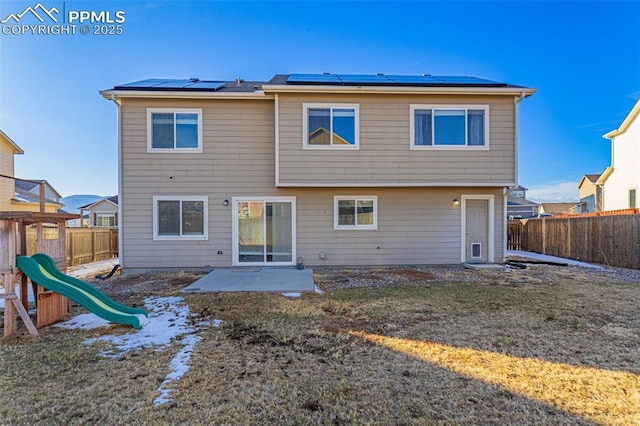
point(400, 90)
point(158, 94)
point(625, 124)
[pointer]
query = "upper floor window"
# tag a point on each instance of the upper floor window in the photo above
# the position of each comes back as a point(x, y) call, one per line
point(632, 198)
point(174, 130)
point(180, 218)
point(105, 219)
point(330, 126)
point(449, 127)
point(359, 212)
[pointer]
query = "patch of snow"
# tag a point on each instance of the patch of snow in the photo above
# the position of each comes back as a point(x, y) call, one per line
point(168, 320)
point(318, 290)
point(84, 322)
point(179, 365)
point(547, 258)
point(292, 294)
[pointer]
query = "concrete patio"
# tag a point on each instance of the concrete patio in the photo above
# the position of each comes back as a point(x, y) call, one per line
point(259, 279)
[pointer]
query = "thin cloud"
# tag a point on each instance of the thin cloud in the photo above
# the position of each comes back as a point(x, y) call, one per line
point(554, 192)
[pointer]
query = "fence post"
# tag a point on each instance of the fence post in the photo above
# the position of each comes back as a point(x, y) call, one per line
point(93, 247)
point(544, 236)
point(636, 250)
point(72, 257)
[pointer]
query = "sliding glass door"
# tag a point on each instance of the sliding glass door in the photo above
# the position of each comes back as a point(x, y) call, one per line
point(264, 231)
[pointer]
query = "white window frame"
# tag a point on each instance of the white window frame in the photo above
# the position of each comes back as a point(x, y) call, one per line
point(356, 198)
point(151, 111)
point(234, 229)
point(449, 107)
point(106, 214)
point(205, 218)
point(330, 106)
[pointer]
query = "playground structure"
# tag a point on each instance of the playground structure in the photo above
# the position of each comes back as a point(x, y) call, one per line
point(52, 288)
point(13, 229)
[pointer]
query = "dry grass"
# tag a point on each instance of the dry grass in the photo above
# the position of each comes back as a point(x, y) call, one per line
point(542, 346)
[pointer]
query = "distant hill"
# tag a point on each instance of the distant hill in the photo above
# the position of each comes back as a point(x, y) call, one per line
point(73, 203)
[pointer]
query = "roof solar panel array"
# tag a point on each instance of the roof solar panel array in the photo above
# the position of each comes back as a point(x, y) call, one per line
point(168, 84)
point(390, 80)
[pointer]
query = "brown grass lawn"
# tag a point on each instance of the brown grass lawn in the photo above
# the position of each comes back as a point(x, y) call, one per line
point(543, 346)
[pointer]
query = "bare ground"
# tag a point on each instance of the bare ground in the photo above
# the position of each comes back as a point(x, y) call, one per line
point(406, 345)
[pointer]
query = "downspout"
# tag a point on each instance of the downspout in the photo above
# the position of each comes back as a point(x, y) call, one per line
point(516, 101)
point(120, 198)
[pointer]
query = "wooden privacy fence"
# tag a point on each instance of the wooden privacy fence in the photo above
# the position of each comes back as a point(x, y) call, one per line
point(84, 245)
point(609, 240)
point(514, 234)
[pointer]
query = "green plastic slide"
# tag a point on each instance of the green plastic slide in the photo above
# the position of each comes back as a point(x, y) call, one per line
point(42, 270)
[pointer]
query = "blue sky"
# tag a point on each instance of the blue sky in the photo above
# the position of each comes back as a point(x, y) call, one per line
point(582, 57)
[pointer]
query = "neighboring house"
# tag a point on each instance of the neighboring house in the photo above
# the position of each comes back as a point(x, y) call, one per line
point(22, 195)
point(27, 196)
point(8, 149)
point(518, 207)
point(557, 208)
point(591, 194)
point(100, 214)
point(622, 178)
point(334, 169)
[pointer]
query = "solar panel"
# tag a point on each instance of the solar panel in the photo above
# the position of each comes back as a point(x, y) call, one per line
point(413, 79)
point(172, 84)
point(313, 78)
point(458, 79)
point(363, 79)
point(143, 83)
point(389, 80)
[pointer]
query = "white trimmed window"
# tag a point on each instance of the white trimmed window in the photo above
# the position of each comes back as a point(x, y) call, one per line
point(105, 219)
point(180, 218)
point(449, 126)
point(355, 212)
point(174, 130)
point(330, 126)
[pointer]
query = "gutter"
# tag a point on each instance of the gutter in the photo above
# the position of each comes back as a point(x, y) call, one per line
point(114, 99)
point(439, 90)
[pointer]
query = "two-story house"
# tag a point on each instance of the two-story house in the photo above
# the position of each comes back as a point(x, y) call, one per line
point(102, 213)
point(333, 169)
point(591, 191)
point(622, 178)
point(518, 207)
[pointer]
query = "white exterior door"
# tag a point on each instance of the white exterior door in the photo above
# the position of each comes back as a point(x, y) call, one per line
point(264, 231)
point(477, 228)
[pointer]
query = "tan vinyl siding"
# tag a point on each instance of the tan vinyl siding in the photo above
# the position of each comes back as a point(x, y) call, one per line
point(237, 159)
point(415, 225)
point(384, 155)
point(6, 168)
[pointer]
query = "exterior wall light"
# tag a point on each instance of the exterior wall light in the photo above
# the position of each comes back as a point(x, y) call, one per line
point(225, 203)
point(456, 202)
